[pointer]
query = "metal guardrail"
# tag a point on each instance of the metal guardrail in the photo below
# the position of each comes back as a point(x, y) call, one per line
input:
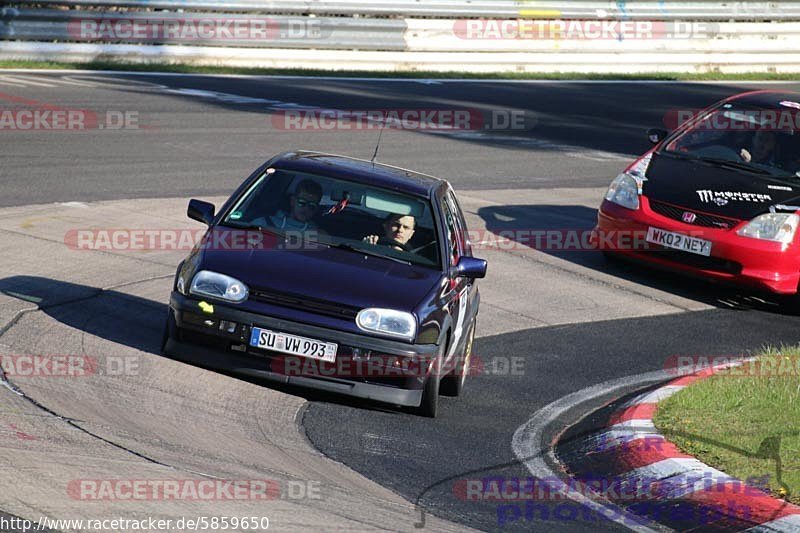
point(374, 34)
point(564, 9)
point(740, 60)
point(202, 29)
point(592, 37)
point(445, 35)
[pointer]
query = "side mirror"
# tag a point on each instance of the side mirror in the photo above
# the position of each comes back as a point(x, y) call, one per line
point(656, 135)
point(469, 267)
point(201, 211)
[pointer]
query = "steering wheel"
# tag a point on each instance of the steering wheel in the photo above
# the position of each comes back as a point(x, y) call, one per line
point(383, 241)
point(420, 248)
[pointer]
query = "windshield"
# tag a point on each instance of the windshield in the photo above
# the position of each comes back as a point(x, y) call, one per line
point(353, 216)
point(764, 141)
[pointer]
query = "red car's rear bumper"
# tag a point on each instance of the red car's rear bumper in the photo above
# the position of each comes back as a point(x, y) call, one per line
point(762, 264)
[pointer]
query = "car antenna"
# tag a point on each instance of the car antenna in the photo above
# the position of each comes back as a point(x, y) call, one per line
point(378, 144)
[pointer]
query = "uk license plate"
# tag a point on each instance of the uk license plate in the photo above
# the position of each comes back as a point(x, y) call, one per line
point(293, 344)
point(679, 241)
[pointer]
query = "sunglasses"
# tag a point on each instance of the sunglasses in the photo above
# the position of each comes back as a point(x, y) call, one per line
point(306, 203)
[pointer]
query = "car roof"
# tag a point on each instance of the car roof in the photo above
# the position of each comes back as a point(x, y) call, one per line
point(767, 99)
point(359, 170)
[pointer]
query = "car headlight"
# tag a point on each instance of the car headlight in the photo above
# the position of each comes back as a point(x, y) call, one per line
point(624, 191)
point(186, 273)
point(181, 285)
point(387, 322)
point(220, 286)
point(778, 227)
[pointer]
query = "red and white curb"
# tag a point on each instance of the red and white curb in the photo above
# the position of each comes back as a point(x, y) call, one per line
point(631, 464)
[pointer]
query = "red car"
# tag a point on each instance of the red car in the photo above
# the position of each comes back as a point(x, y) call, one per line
point(719, 197)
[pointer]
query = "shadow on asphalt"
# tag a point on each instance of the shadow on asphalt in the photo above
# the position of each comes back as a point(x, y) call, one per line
point(518, 221)
point(600, 116)
point(138, 323)
point(389, 448)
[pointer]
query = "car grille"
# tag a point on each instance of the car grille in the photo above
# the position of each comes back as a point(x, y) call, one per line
point(303, 303)
point(714, 264)
point(676, 213)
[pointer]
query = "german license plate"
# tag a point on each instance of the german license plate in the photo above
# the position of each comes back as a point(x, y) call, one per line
point(293, 344)
point(678, 241)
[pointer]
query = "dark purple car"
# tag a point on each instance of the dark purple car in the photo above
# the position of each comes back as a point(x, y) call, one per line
point(333, 273)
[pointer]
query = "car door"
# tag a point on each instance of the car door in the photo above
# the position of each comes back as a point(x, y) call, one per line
point(458, 294)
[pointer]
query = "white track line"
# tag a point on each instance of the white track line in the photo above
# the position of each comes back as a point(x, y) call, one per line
point(633, 424)
point(28, 80)
point(4, 81)
point(688, 473)
point(620, 437)
point(91, 77)
point(531, 449)
point(787, 524)
point(655, 396)
point(66, 80)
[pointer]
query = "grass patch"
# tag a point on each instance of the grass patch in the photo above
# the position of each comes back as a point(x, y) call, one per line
point(567, 76)
point(741, 424)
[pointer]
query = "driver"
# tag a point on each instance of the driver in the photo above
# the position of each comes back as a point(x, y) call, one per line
point(398, 230)
point(763, 150)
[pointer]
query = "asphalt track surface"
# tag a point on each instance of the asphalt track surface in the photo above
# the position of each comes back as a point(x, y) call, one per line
point(572, 319)
point(204, 145)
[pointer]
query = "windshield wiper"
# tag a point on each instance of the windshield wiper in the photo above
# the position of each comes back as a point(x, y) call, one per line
point(242, 225)
point(735, 164)
point(351, 248)
point(677, 155)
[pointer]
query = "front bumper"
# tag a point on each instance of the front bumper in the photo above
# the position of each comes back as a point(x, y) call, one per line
point(213, 345)
point(763, 265)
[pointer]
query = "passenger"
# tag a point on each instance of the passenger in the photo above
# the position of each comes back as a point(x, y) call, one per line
point(303, 205)
point(398, 230)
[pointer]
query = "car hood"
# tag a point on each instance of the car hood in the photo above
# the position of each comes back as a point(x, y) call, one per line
point(717, 190)
point(327, 275)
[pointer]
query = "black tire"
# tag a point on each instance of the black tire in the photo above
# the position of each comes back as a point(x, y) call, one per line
point(790, 304)
point(429, 406)
point(170, 331)
point(453, 383)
